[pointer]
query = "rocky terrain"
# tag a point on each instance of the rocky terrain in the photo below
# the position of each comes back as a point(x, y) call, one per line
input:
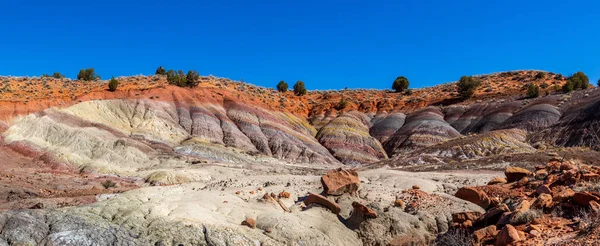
point(229, 163)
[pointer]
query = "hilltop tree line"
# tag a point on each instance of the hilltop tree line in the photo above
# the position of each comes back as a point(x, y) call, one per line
point(466, 85)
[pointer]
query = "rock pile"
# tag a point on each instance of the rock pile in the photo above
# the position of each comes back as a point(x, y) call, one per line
point(555, 202)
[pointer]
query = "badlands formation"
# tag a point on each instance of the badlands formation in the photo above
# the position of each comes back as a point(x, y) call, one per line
point(229, 163)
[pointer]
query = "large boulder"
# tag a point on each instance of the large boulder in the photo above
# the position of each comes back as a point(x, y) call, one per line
point(474, 196)
point(516, 173)
point(507, 235)
point(337, 182)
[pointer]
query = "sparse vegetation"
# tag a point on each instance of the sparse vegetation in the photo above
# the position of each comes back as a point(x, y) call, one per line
point(455, 237)
point(113, 84)
point(467, 86)
point(161, 71)
point(598, 83)
point(282, 86)
point(299, 88)
point(107, 184)
point(180, 79)
point(540, 75)
point(342, 104)
point(525, 217)
point(576, 81)
point(400, 84)
point(192, 78)
point(87, 74)
point(533, 91)
point(55, 75)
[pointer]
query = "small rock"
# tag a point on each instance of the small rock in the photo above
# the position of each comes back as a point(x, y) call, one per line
point(515, 174)
point(464, 216)
point(416, 187)
point(543, 189)
point(584, 198)
point(284, 194)
point(399, 203)
point(497, 180)
point(364, 210)
point(595, 206)
point(249, 222)
point(483, 233)
point(507, 235)
point(543, 201)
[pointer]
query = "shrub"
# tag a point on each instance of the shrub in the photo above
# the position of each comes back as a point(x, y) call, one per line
point(533, 91)
point(299, 88)
point(57, 75)
point(192, 78)
point(525, 217)
point(540, 75)
point(400, 84)
point(455, 237)
point(113, 84)
point(568, 87)
point(87, 74)
point(467, 85)
point(342, 104)
point(579, 80)
point(108, 184)
point(598, 82)
point(282, 86)
point(161, 71)
point(176, 78)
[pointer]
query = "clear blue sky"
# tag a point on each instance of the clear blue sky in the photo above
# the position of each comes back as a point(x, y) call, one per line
point(327, 44)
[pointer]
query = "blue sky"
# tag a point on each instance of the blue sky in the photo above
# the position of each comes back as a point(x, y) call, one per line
point(327, 44)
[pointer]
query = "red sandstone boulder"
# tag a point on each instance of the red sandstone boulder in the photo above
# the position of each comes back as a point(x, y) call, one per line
point(249, 222)
point(483, 233)
point(339, 181)
point(507, 235)
point(323, 201)
point(543, 189)
point(593, 177)
point(363, 210)
point(492, 216)
point(474, 196)
point(562, 194)
point(543, 201)
point(515, 174)
point(584, 198)
point(465, 216)
point(497, 180)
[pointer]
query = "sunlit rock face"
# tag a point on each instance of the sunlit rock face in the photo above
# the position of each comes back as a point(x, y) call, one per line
point(347, 138)
point(422, 128)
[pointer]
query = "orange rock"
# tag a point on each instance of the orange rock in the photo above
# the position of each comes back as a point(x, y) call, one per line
point(507, 235)
point(323, 201)
point(523, 206)
point(474, 196)
point(238, 192)
point(515, 173)
point(249, 222)
point(543, 201)
point(591, 177)
point(595, 206)
point(489, 231)
point(416, 187)
point(399, 203)
point(497, 180)
point(567, 166)
point(364, 210)
point(252, 192)
point(339, 181)
point(584, 198)
point(492, 216)
point(284, 194)
point(541, 174)
point(562, 194)
point(464, 216)
point(260, 188)
point(522, 182)
point(543, 189)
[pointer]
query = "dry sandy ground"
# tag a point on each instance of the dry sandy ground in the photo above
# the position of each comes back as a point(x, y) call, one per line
point(210, 210)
